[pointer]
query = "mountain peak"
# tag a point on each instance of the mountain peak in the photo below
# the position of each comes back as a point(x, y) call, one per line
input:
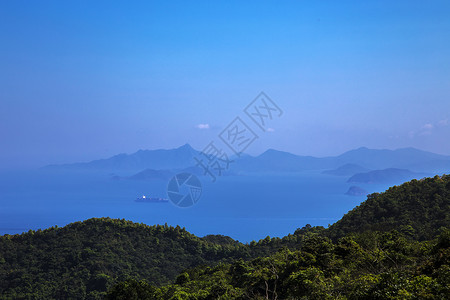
point(186, 146)
point(363, 149)
point(273, 152)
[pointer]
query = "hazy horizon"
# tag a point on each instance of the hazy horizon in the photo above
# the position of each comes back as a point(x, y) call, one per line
point(69, 160)
point(82, 81)
point(251, 154)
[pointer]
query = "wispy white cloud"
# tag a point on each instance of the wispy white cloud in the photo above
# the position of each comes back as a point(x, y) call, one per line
point(426, 129)
point(428, 126)
point(444, 122)
point(270, 129)
point(202, 126)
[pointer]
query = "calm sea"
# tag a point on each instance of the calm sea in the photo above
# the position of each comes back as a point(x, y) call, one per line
point(244, 207)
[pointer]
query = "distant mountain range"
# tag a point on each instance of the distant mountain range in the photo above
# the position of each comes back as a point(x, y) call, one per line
point(273, 161)
point(160, 159)
point(385, 176)
point(346, 170)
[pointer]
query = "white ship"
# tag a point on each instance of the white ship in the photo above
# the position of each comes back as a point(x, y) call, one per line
point(151, 200)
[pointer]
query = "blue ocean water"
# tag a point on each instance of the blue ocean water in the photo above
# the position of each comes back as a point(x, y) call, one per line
point(244, 207)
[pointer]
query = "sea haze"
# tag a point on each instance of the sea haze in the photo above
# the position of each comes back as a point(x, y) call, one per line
point(246, 205)
point(243, 207)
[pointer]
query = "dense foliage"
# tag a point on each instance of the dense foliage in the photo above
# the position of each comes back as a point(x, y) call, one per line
point(359, 257)
point(84, 258)
point(418, 208)
point(363, 266)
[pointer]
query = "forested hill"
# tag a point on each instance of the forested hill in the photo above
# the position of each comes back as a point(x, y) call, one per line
point(417, 208)
point(85, 259)
point(365, 259)
point(370, 265)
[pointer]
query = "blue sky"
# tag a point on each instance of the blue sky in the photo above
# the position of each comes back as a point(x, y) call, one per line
point(81, 80)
